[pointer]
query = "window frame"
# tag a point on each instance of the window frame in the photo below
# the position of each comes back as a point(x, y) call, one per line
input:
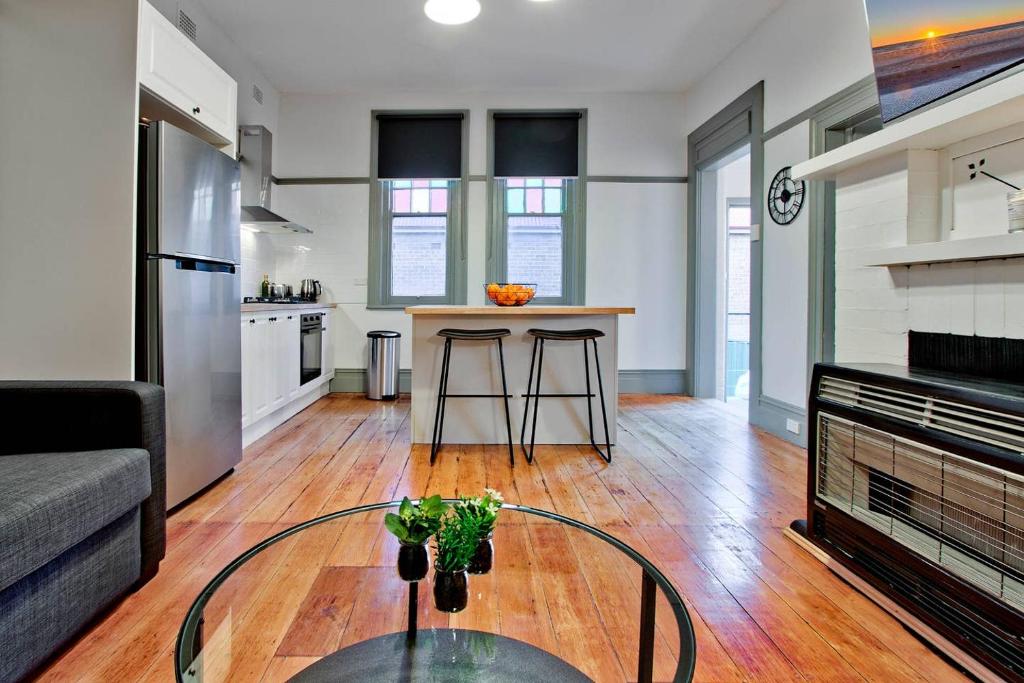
point(574, 232)
point(378, 295)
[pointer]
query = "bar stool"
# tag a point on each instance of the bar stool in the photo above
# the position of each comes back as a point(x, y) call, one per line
point(540, 337)
point(449, 336)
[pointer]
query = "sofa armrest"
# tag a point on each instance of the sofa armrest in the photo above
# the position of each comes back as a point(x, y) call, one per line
point(58, 417)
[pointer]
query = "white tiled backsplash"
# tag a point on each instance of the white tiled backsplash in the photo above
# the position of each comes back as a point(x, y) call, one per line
point(258, 258)
point(876, 307)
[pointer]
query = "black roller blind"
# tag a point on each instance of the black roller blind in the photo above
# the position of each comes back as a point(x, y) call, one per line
point(537, 145)
point(419, 146)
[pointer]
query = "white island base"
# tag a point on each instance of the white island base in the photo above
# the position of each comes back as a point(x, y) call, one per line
point(475, 370)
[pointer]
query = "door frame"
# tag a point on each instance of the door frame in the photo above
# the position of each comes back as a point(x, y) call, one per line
point(739, 124)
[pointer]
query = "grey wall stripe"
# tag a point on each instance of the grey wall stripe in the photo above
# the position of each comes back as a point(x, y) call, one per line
point(360, 180)
point(678, 179)
point(323, 180)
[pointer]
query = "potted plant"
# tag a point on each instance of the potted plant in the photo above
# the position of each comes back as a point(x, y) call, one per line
point(413, 526)
point(484, 510)
point(454, 547)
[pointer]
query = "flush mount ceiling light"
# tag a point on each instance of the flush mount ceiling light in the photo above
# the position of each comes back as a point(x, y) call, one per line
point(452, 12)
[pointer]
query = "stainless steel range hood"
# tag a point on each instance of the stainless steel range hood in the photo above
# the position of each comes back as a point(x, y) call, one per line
point(255, 150)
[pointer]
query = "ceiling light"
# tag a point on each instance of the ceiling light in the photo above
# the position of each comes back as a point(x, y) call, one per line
point(452, 11)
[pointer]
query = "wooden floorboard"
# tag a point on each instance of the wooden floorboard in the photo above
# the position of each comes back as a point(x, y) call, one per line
point(692, 487)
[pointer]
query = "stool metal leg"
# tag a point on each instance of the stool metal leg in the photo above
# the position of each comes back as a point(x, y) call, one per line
point(607, 455)
point(536, 402)
point(526, 411)
point(504, 394)
point(442, 393)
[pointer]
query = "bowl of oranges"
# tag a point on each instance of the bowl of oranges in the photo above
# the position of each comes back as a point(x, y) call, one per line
point(510, 294)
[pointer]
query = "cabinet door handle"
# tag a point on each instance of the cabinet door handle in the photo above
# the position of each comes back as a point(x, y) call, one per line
point(195, 110)
point(252, 322)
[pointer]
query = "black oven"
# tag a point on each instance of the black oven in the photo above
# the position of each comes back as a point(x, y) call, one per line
point(311, 330)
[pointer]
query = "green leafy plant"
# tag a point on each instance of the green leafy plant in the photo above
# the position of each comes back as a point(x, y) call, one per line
point(455, 543)
point(415, 524)
point(484, 509)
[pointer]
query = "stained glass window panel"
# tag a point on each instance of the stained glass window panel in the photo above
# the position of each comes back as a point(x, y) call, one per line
point(515, 182)
point(421, 201)
point(401, 201)
point(438, 201)
point(534, 201)
point(552, 201)
point(534, 182)
point(515, 202)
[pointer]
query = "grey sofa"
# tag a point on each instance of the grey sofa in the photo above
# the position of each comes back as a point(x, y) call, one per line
point(82, 508)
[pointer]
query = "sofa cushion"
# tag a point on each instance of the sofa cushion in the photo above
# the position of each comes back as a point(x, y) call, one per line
point(51, 501)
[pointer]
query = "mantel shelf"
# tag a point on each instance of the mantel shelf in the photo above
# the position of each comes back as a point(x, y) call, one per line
point(972, 249)
point(993, 107)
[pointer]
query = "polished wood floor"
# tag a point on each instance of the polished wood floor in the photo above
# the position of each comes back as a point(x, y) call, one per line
point(692, 487)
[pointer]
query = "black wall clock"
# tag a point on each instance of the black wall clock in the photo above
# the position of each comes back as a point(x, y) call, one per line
point(786, 197)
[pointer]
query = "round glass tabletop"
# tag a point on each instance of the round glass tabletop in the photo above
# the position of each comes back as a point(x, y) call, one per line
point(323, 601)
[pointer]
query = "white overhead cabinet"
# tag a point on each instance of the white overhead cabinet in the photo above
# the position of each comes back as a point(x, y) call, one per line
point(181, 84)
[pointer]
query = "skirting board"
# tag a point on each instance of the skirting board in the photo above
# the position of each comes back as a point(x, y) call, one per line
point(351, 381)
point(906, 618)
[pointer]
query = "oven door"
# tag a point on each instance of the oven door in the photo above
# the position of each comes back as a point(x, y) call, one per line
point(311, 363)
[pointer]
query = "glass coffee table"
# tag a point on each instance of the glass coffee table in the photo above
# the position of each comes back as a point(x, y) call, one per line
point(323, 601)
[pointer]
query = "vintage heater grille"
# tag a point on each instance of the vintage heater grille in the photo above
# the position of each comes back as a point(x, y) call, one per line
point(962, 515)
point(995, 428)
point(916, 485)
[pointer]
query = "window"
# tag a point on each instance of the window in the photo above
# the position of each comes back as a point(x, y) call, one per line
point(536, 231)
point(417, 230)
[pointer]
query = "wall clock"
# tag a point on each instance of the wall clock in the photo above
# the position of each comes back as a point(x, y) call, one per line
point(786, 197)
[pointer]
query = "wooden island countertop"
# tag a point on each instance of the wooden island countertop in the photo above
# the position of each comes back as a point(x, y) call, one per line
point(519, 310)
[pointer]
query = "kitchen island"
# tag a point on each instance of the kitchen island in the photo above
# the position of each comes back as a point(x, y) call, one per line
point(475, 370)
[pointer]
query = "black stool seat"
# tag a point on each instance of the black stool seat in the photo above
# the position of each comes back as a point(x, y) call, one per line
point(474, 335)
point(566, 335)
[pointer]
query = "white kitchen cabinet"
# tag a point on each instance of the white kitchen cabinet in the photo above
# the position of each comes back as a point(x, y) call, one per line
point(286, 358)
point(271, 363)
point(247, 371)
point(174, 69)
point(257, 379)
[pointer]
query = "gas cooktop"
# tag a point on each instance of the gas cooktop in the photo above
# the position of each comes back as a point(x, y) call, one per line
point(273, 300)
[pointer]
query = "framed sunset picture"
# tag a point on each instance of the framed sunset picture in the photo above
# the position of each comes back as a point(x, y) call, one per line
point(926, 50)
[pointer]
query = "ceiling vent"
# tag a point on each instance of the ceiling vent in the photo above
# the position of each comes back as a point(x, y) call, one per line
point(186, 25)
point(257, 94)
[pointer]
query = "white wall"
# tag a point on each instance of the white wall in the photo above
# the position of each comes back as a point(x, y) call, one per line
point(68, 115)
point(635, 233)
point(805, 52)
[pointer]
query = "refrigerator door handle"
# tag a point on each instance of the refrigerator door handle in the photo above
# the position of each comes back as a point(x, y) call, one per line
point(200, 257)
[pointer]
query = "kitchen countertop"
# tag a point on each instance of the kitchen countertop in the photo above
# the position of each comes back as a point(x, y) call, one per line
point(255, 308)
point(519, 310)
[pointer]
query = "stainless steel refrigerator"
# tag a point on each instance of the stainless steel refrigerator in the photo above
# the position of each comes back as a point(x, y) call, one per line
point(188, 337)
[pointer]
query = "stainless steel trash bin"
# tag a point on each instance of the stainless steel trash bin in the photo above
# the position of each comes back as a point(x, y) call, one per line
point(382, 365)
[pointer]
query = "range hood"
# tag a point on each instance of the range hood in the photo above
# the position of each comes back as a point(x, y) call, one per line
point(254, 147)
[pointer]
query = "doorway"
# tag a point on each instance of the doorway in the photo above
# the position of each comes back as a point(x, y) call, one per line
point(723, 215)
point(723, 300)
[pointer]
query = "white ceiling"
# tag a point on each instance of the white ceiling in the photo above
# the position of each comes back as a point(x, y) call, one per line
point(334, 46)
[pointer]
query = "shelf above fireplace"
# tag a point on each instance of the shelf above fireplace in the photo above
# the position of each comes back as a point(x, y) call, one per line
point(1010, 245)
point(987, 109)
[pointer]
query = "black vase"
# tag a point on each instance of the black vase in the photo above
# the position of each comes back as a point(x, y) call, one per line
point(483, 558)
point(413, 561)
point(451, 590)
